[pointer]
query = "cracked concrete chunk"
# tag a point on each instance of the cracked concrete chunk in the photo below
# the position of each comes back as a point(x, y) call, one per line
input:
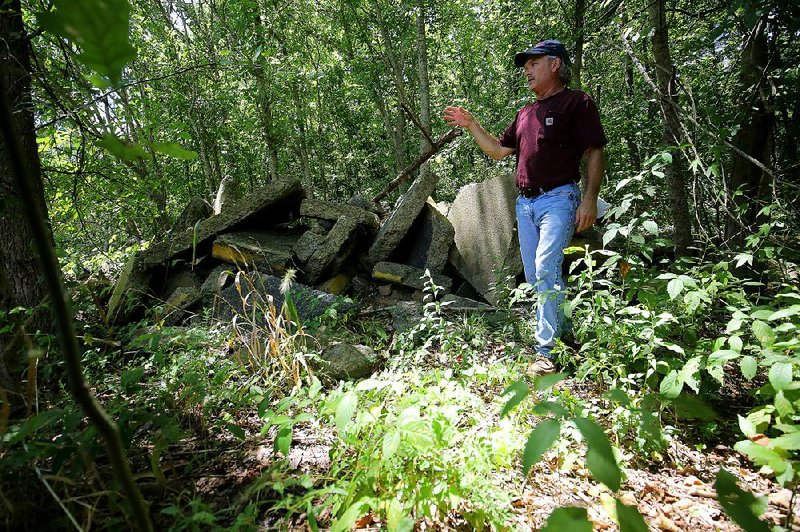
point(329, 210)
point(343, 361)
point(337, 247)
point(276, 203)
point(307, 244)
point(409, 276)
point(133, 281)
point(273, 251)
point(428, 241)
point(402, 218)
point(483, 216)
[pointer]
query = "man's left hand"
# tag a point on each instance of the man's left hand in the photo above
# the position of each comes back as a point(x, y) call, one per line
point(586, 215)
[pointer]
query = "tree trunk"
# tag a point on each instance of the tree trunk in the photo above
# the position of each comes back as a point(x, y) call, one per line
point(424, 84)
point(577, 64)
point(754, 137)
point(20, 284)
point(682, 220)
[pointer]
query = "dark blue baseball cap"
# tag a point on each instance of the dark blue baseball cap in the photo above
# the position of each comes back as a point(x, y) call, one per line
point(548, 47)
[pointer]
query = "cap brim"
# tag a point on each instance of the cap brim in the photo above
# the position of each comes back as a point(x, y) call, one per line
point(521, 58)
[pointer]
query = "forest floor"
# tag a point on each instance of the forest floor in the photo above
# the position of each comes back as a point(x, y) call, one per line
point(673, 489)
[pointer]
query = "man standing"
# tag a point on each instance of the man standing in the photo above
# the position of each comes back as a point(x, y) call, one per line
point(549, 137)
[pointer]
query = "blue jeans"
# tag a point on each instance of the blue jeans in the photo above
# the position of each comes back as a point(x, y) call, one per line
point(545, 225)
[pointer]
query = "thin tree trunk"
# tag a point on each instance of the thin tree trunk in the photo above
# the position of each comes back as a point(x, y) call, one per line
point(682, 220)
point(577, 64)
point(424, 84)
point(754, 137)
point(20, 284)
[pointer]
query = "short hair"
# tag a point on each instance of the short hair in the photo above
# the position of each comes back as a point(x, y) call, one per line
point(564, 70)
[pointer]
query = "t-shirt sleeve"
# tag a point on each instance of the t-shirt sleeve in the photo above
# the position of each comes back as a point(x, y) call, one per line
point(509, 137)
point(588, 129)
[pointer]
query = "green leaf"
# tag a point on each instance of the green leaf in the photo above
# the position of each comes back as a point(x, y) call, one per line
point(237, 431)
point(544, 382)
point(396, 519)
point(749, 367)
point(629, 519)
point(569, 518)
point(284, 439)
point(131, 377)
point(122, 149)
point(353, 512)
point(784, 313)
point(671, 385)
point(345, 409)
point(391, 442)
point(746, 426)
point(788, 442)
point(99, 27)
point(763, 333)
point(762, 456)
point(539, 440)
point(650, 226)
point(519, 391)
point(675, 287)
point(173, 149)
point(600, 456)
point(780, 375)
point(741, 506)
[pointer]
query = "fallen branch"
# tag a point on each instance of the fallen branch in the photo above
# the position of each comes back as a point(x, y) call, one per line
point(440, 143)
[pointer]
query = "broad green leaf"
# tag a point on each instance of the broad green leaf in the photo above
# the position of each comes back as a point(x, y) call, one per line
point(353, 512)
point(762, 456)
point(736, 343)
point(733, 325)
point(544, 382)
point(568, 518)
point(284, 439)
point(539, 440)
point(345, 409)
point(391, 442)
point(419, 435)
point(783, 406)
point(609, 235)
point(173, 149)
point(519, 391)
point(671, 385)
point(749, 367)
point(600, 456)
point(650, 226)
point(237, 431)
point(784, 313)
point(746, 426)
point(675, 287)
point(789, 442)
point(780, 375)
point(131, 377)
point(122, 149)
point(722, 357)
point(741, 506)
point(629, 519)
point(99, 27)
point(763, 333)
point(396, 519)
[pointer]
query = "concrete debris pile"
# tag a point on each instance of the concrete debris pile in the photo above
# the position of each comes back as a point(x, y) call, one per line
point(232, 263)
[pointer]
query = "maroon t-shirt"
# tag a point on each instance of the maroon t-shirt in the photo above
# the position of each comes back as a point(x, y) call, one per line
point(550, 136)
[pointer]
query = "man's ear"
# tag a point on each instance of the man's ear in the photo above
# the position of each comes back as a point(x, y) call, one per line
point(555, 65)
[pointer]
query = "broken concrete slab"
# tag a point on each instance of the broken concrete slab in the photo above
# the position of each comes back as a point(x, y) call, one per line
point(336, 285)
point(343, 361)
point(409, 276)
point(428, 241)
point(337, 247)
point(270, 250)
point(181, 279)
point(402, 218)
point(277, 202)
point(405, 315)
point(132, 281)
point(217, 280)
point(329, 210)
point(307, 244)
point(483, 216)
point(197, 209)
point(177, 306)
point(463, 302)
point(250, 296)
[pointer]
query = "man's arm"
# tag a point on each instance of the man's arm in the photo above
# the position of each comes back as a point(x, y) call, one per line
point(587, 211)
point(455, 116)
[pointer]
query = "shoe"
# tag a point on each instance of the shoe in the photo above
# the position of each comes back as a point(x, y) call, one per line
point(541, 366)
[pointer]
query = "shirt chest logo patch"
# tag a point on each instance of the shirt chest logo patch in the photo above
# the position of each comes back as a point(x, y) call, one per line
point(548, 121)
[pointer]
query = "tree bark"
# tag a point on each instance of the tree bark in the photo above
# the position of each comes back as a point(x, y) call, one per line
point(754, 137)
point(577, 63)
point(665, 73)
point(20, 284)
point(424, 83)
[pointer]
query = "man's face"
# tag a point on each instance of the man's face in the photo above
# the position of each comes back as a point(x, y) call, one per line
point(541, 72)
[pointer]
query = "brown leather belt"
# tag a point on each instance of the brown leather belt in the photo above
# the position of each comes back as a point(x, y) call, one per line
point(532, 192)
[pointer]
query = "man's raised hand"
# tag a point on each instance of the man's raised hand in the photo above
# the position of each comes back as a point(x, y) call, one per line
point(456, 116)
